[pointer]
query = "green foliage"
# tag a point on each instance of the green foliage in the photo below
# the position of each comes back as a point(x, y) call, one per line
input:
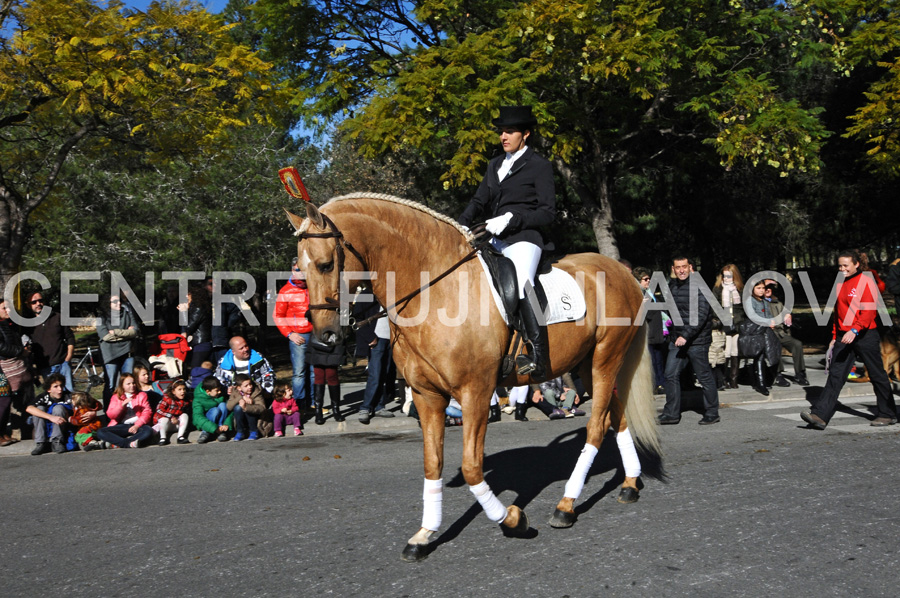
point(156, 85)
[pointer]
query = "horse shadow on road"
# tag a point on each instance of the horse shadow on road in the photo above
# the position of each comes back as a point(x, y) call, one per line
point(527, 471)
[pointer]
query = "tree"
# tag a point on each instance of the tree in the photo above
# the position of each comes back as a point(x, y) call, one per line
point(616, 86)
point(113, 82)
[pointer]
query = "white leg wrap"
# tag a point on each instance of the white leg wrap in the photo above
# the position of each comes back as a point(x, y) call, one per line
point(492, 506)
point(494, 399)
point(629, 454)
point(432, 497)
point(576, 481)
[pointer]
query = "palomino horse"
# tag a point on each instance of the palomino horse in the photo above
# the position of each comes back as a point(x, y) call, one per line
point(444, 350)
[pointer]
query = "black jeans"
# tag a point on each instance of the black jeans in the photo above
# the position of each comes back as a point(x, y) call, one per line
point(676, 361)
point(867, 347)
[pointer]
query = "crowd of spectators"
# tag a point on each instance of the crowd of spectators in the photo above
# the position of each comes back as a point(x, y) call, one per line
point(230, 392)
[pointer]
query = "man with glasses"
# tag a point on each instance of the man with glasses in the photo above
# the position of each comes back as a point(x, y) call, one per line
point(52, 343)
point(291, 306)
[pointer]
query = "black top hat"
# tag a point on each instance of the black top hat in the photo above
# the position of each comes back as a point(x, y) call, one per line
point(515, 116)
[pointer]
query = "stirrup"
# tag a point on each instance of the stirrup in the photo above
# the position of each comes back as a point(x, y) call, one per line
point(525, 365)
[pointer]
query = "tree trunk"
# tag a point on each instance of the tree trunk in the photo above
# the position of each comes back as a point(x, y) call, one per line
point(12, 240)
point(598, 206)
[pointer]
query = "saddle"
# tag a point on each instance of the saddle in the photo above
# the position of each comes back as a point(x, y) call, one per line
point(503, 277)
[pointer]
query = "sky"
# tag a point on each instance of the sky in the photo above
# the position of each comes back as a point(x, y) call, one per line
point(214, 6)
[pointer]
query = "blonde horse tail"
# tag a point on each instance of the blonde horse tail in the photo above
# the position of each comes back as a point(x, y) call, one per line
point(635, 389)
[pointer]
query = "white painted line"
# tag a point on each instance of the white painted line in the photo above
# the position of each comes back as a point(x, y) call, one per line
point(777, 405)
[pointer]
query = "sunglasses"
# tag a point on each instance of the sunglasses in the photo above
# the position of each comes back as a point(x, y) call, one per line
point(645, 278)
point(36, 301)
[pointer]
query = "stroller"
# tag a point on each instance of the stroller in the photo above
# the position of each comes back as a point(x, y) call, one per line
point(167, 362)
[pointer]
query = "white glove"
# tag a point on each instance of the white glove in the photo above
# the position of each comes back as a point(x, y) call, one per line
point(497, 225)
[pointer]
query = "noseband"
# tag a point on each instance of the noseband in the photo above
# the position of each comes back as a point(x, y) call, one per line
point(333, 232)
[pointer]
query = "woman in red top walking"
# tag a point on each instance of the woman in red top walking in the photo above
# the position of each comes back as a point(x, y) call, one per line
point(854, 335)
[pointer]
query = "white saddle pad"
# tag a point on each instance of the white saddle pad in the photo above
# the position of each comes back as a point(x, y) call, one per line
point(565, 301)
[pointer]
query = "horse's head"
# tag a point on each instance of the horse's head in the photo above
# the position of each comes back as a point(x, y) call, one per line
point(320, 255)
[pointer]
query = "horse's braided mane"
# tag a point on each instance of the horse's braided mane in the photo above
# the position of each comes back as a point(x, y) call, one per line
point(403, 202)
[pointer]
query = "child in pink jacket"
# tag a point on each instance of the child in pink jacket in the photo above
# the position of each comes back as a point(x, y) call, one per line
point(285, 409)
point(129, 416)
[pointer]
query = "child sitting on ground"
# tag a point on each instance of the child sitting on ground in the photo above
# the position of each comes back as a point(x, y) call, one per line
point(173, 407)
point(201, 373)
point(248, 404)
point(285, 409)
point(211, 414)
point(85, 420)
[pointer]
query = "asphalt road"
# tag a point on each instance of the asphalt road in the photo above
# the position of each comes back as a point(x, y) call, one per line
point(757, 505)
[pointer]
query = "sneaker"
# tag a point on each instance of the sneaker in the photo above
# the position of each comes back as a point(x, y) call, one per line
point(105, 445)
point(238, 437)
point(223, 437)
point(183, 440)
point(364, 417)
point(880, 422)
point(40, 449)
point(279, 434)
point(668, 420)
point(93, 445)
point(781, 381)
point(134, 444)
point(813, 420)
point(298, 431)
point(204, 438)
point(253, 436)
point(163, 441)
point(576, 411)
point(58, 447)
point(709, 419)
point(384, 413)
point(853, 375)
point(557, 414)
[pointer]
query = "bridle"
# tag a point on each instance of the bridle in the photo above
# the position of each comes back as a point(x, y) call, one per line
point(335, 304)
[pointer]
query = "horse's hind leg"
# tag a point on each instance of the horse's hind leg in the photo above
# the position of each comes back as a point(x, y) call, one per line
point(630, 461)
point(599, 374)
point(431, 416)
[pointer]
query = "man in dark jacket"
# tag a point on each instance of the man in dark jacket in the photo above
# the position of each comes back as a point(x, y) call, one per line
point(689, 341)
point(53, 344)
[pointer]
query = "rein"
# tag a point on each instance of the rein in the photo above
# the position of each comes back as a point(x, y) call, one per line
point(332, 304)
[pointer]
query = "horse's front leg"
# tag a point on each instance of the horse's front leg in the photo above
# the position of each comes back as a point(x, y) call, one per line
point(431, 416)
point(475, 418)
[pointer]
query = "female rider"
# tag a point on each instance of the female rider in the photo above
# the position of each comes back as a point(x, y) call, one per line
point(515, 197)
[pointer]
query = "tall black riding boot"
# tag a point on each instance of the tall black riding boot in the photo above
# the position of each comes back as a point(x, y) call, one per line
point(536, 335)
point(320, 398)
point(520, 412)
point(334, 391)
point(495, 414)
point(759, 386)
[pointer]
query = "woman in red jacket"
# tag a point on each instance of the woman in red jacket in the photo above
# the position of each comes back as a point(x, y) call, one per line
point(854, 334)
point(291, 306)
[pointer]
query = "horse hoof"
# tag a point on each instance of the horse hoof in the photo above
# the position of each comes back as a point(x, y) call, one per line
point(415, 552)
point(562, 519)
point(628, 495)
point(520, 529)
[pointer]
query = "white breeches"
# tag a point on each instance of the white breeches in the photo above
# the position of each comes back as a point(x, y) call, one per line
point(525, 257)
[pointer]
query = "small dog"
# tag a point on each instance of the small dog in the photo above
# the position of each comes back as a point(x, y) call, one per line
point(890, 355)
